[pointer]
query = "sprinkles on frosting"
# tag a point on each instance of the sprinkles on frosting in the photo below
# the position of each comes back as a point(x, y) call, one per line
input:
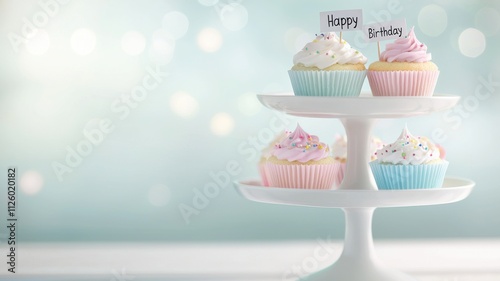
point(327, 49)
point(312, 142)
point(301, 146)
point(409, 150)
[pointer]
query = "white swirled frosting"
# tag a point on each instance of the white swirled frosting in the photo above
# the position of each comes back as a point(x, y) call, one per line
point(409, 150)
point(326, 50)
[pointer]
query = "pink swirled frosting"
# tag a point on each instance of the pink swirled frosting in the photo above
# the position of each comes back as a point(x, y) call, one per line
point(302, 147)
point(407, 49)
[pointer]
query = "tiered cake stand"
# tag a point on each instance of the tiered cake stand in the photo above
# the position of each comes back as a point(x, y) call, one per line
point(358, 195)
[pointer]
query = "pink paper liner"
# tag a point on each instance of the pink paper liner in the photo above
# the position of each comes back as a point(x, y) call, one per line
point(402, 83)
point(302, 176)
point(263, 174)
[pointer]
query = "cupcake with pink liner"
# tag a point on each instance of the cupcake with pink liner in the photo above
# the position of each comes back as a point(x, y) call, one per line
point(404, 69)
point(301, 161)
point(266, 153)
point(339, 153)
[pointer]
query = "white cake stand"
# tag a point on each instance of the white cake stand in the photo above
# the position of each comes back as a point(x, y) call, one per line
point(358, 195)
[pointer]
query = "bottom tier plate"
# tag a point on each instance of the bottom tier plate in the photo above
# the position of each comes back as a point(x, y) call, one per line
point(454, 189)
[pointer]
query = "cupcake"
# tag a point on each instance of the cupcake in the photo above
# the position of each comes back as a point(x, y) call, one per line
point(409, 163)
point(339, 153)
point(328, 67)
point(404, 69)
point(266, 153)
point(301, 161)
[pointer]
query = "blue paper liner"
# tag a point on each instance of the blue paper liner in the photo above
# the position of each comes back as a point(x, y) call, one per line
point(396, 177)
point(338, 83)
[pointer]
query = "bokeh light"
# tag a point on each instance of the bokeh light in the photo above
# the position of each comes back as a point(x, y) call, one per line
point(432, 20)
point(176, 24)
point(83, 41)
point(31, 182)
point(209, 40)
point(159, 195)
point(234, 16)
point(162, 47)
point(488, 21)
point(183, 104)
point(221, 124)
point(39, 43)
point(296, 39)
point(133, 43)
point(471, 42)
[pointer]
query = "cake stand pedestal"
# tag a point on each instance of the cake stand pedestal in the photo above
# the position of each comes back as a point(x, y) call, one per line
point(358, 260)
point(357, 196)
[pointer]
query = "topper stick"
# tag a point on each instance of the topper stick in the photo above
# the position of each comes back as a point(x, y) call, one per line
point(378, 46)
point(340, 39)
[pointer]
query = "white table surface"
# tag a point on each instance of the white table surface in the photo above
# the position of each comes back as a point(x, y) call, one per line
point(436, 260)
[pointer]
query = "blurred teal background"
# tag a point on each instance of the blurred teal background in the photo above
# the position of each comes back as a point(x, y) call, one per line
point(92, 80)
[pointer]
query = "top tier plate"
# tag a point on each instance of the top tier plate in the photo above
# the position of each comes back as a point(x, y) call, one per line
point(364, 106)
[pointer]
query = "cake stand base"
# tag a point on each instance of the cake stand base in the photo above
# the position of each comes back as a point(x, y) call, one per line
point(347, 271)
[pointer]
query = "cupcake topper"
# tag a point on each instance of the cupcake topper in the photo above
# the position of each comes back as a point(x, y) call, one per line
point(384, 31)
point(345, 20)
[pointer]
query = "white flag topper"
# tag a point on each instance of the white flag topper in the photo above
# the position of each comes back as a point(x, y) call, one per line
point(385, 30)
point(344, 20)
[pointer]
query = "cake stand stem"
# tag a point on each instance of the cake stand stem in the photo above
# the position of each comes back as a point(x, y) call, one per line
point(358, 174)
point(358, 261)
point(358, 241)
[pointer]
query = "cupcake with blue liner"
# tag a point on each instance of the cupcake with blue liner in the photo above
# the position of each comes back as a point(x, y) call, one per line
point(328, 67)
point(409, 163)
